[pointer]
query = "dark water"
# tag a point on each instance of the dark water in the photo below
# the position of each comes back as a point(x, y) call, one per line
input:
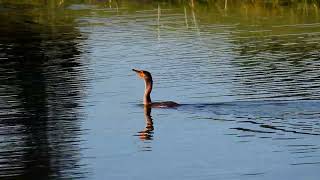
point(247, 76)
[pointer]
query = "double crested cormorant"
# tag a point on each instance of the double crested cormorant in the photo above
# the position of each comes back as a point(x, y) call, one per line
point(148, 88)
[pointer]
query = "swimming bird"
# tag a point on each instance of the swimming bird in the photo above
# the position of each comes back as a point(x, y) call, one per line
point(148, 88)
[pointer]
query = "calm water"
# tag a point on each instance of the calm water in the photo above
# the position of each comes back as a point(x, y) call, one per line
point(248, 76)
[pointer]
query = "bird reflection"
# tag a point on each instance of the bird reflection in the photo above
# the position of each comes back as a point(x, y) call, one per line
point(147, 133)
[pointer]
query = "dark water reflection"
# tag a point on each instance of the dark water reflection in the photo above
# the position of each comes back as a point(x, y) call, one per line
point(40, 99)
point(246, 74)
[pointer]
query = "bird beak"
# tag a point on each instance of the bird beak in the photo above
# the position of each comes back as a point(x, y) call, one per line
point(135, 70)
point(139, 72)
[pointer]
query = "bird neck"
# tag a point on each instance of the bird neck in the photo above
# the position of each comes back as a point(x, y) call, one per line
point(147, 92)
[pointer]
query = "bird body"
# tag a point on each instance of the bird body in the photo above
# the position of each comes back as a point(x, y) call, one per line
point(164, 104)
point(147, 92)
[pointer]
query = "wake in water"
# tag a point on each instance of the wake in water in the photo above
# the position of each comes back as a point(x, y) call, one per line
point(298, 117)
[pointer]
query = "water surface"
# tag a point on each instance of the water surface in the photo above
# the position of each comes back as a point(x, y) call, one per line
point(246, 74)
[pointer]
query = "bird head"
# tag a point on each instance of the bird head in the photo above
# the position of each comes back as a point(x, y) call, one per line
point(143, 74)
